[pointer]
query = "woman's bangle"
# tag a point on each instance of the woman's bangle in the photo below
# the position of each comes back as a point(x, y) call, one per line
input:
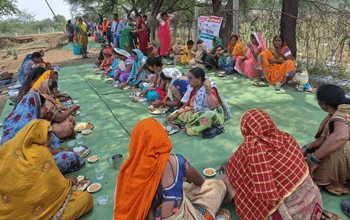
point(313, 159)
point(306, 147)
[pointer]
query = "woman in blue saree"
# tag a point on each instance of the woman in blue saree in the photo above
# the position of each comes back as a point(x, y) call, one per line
point(26, 111)
point(176, 88)
point(137, 70)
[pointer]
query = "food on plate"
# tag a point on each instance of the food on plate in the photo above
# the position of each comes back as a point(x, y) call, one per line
point(93, 158)
point(209, 172)
point(94, 187)
point(86, 131)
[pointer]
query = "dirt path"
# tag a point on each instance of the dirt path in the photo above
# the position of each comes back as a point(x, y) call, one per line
point(53, 54)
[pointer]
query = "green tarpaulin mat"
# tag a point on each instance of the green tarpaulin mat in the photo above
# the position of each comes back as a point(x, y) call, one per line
point(115, 115)
point(92, 44)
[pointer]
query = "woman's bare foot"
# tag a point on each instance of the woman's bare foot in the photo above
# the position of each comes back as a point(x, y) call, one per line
point(230, 191)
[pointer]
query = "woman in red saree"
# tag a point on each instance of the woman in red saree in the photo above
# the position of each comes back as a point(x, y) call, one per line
point(141, 30)
point(269, 175)
point(47, 64)
point(164, 32)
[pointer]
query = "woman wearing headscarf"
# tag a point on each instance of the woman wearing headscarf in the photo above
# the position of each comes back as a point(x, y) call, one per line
point(62, 121)
point(247, 65)
point(176, 88)
point(108, 61)
point(34, 188)
point(81, 36)
point(47, 64)
point(276, 63)
point(32, 107)
point(201, 52)
point(27, 67)
point(151, 182)
point(125, 66)
point(31, 80)
point(177, 47)
point(137, 70)
point(267, 175)
point(235, 49)
point(127, 38)
point(204, 105)
point(211, 59)
point(141, 31)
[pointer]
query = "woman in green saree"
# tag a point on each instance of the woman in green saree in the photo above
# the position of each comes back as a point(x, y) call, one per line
point(212, 58)
point(81, 36)
point(204, 105)
point(126, 38)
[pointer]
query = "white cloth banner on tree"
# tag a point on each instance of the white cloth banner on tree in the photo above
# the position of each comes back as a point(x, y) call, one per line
point(208, 28)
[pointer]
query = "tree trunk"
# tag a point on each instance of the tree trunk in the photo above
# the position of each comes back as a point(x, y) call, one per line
point(288, 23)
point(226, 30)
point(153, 19)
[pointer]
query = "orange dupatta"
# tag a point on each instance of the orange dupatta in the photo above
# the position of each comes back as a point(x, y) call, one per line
point(141, 173)
point(237, 49)
point(266, 168)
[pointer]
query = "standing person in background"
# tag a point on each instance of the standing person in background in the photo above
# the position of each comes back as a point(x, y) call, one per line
point(81, 36)
point(164, 32)
point(141, 31)
point(70, 30)
point(144, 18)
point(117, 27)
point(107, 30)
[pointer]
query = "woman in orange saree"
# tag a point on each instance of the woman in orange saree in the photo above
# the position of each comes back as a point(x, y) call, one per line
point(276, 63)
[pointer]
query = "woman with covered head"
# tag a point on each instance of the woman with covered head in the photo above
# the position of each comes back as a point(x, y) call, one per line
point(34, 188)
point(152, 183)
point(204, 105)
point(199, 59)
point(176, 88)
point(276, 63)
point(62, 121)
point(32, 107)
point(27, 67)
point(247, 65)
point(212, 58)
point(125, 65)
point(234, 50)
point(141, 31)
point(108, 60)
point(47, 64)
point(81, 37)
point(136, 72)
point(127, 38)
point(268, 176)
point(330, 153)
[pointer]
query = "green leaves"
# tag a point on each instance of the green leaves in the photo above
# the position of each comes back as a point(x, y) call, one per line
point(7, 7)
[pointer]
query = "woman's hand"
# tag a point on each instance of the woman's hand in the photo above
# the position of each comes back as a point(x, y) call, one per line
point(144, 93)
point(67, 149)
point(74, 180)
point(249, 45)
point(304, 151)
point(207, 84)
point(122, 86)
point(157, 103)
point(76, 107)
point(142, 78)
point(171, 118)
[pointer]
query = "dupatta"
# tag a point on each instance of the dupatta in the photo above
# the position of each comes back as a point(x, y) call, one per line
point(174, 74)
point(136, 65)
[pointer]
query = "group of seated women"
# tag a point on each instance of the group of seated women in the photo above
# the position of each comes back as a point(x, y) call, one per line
point(30, 143)
point(274, 65)
point(195, 101)
point(266, 178)
point(176, 190)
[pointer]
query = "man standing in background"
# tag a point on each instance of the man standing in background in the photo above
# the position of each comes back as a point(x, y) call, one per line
point(117, 27)
point(70, 30)
point(148, 27)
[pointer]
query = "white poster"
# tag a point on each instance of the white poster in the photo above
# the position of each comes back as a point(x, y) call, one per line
point(208, 28)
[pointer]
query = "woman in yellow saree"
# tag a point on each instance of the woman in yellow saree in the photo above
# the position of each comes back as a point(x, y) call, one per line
point(276, 63)
point(34, 188)
point(81, 36)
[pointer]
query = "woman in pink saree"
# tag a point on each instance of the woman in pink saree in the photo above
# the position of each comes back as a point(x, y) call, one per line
point(247, 65)
point(164, 32)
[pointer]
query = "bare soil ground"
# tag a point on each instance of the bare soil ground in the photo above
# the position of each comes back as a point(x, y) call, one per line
point(52, 44)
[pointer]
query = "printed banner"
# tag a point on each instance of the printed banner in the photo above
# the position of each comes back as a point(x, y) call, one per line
point(208, 28)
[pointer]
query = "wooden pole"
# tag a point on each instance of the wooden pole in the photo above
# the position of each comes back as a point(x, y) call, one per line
point(195, 24)
point(235, 16)
point(56, 17)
